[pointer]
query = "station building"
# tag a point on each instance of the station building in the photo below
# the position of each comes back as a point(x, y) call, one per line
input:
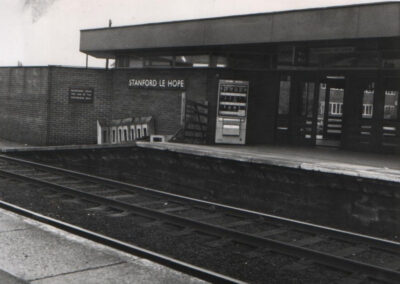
point(325, 76)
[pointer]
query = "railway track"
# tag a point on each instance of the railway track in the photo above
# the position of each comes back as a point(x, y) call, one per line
point(193, 270)
point(361, 257)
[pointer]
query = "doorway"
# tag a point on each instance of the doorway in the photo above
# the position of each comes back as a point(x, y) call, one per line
point(330, 111)
point(310, 109)
point(304, 110)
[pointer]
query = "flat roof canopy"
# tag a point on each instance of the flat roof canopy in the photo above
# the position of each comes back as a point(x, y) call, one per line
point(335, 23)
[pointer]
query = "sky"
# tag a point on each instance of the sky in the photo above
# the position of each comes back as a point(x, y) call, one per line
point(46, 32)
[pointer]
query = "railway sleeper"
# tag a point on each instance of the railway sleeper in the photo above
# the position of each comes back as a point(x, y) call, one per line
point(350, 251)
point(184, 232)
point(308, 241)
point(300, 264)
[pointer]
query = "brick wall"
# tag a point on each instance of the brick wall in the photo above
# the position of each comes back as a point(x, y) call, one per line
point(75, 123)
point(23, 104)
point(163, 105)
point(35, 107)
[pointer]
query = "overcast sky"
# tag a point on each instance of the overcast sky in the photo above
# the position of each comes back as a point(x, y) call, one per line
point(46, 32)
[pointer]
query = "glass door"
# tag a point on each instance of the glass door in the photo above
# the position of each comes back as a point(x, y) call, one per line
point(283, 109)
point(390, 129)
point(330, 111)
point(305, 111)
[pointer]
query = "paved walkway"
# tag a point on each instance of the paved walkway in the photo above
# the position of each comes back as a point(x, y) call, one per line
point(31, 252)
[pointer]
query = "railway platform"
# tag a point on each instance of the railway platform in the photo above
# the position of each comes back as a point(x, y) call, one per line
point(320, 159)
point(32, 252)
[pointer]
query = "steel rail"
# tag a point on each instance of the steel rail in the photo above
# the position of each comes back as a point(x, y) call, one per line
point(181, 266)
point(370, 240)
point(345, 264)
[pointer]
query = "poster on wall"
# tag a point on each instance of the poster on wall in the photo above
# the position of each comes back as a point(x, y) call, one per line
point(81, 95)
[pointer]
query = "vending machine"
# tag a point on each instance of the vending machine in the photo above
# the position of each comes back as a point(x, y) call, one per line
point(232, 112)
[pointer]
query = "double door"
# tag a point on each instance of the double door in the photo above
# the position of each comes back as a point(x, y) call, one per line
point(314, 111)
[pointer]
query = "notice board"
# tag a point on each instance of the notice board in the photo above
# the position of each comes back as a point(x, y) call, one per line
point(81, 95)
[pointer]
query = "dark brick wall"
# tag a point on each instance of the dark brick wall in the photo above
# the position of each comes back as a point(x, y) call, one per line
point(75, 123)
point(163, 105)
point(347, 202)
point(23, 104)
point(35, 107)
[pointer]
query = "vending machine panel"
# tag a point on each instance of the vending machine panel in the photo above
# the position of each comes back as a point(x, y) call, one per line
point(232, 112)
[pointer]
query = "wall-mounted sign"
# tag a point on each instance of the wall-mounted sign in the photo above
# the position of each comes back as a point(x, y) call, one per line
point(81, 95)
point(156, 83)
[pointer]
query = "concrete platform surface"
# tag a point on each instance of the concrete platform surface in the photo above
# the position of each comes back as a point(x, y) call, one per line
point(321, 159)
point(32, 252)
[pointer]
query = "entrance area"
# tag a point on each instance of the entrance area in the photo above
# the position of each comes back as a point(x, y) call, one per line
point(342, 109)
point(310, 110)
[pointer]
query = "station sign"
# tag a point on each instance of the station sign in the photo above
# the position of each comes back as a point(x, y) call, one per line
point(81, 95)
point(157, 83)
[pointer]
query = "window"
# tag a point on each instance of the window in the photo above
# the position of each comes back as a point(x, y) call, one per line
point(284, 95)
point(367, 110)
point(307, 98)
point(104, 136)
point(158, 61)
point(218, 61)
point(135, 62)
point(195, 61)
point(390, 59)
point(368, 101)
point(391, 104)
point(138, 133)
point(113, 136)
point(242, 59)
point(132, 133)
point(321, 101)
point(120, 135)
point(321, 108)
point(125, 135)
point(144, 131)
point(335, 108)
point(122, 62)
point(248, 60)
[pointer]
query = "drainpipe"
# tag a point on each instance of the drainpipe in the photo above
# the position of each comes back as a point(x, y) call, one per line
point(109, 25)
